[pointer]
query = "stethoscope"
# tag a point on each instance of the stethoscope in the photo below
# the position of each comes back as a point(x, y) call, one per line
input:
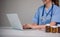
point(51, 10)
point(42, 16)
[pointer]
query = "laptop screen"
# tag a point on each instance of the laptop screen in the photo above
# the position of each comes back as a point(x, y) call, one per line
point(14, 21)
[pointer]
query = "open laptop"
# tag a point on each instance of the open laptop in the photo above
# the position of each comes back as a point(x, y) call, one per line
point(14, 21)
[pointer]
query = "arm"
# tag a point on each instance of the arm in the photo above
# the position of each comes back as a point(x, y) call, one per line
point(42, 26)
point(35, 26)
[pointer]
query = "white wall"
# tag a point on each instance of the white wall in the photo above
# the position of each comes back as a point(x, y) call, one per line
point(24, 8)
point(59, 2)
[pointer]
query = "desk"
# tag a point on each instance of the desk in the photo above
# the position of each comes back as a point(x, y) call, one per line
point(4, 32)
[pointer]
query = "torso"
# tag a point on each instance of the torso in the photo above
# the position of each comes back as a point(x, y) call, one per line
point(47, 18)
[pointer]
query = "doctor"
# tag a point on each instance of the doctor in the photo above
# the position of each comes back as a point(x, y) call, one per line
point(49, 13)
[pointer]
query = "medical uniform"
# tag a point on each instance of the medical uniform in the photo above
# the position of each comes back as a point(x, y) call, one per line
point(43, 16)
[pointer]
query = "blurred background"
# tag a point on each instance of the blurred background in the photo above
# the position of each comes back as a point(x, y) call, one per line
point(24, 8)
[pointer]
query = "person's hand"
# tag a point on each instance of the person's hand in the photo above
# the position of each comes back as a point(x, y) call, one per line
point(30, 26)
point(27, 26)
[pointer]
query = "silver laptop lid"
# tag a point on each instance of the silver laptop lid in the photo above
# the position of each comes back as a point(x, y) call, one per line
point(14, 21)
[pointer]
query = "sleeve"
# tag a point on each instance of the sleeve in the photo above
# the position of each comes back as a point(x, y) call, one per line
point(56, 16)
point(35, 18)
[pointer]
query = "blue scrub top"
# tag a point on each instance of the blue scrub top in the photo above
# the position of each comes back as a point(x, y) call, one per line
point(55, 16)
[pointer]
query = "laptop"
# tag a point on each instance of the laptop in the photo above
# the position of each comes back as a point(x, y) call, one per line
point(14, 21)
